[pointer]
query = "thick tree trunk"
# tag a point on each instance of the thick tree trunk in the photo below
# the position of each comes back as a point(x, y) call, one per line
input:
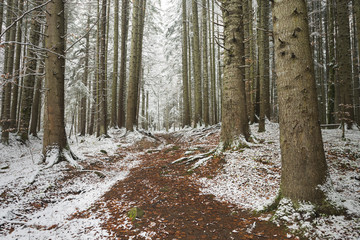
point(54, 141)
point(304, 167)
point(235, 126)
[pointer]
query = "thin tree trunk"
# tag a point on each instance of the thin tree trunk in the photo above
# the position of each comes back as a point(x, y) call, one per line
point(186, 107)
point(344, 71)
point(205, 64)
point(8, 67)
point(29, 79)
point(35, 109)
point(197, 64)
point(115, 67)
point(122, 85)
point(83, 107)
point(15, 90)
point(102, 75)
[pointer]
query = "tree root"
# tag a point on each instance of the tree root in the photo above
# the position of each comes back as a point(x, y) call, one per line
point(199, 159)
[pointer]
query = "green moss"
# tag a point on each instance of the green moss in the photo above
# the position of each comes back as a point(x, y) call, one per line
point(273, 206)
point(135, 213)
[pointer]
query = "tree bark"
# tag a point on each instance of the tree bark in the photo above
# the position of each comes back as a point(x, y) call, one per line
point(304, 167)
point(344, 63)
point(102, 130)
point(186, 107)
point(54, 140)
point(235, 126)
point(122, 85)
point(205, 64)
point(197, 64)
point(29, 79)
point(114, 86)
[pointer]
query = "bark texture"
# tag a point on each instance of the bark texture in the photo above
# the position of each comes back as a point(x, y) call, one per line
point(235, 124)
point(303, 160)
point(54, 125)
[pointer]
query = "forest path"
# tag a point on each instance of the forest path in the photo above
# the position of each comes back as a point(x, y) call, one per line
point(173, 205)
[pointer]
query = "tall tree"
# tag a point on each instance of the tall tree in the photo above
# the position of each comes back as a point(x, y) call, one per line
point(235, 126)
point(122, 80)
point(196, 63)
point(205, 69)
point(264, 63)
point(36, 104)
point(304, 167)
point(83, 108)
point(8, 67)
point(54, 140)
point(15, 91)
point(29, 79)
point(135, 63)
point(102, 125)
point(344, 63)
point(114, 87)
point(186, 106)
point(357, 74)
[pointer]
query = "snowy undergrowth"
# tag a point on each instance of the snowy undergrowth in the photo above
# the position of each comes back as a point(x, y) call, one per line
point(41, 210)
point(251, 179)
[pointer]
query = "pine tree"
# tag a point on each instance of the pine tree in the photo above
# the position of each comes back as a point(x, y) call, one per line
point(234, 113)
point(304, 167)
point(54, 140)
point(186, 105)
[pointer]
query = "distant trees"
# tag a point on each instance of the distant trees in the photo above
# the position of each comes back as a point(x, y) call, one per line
point(181, 75)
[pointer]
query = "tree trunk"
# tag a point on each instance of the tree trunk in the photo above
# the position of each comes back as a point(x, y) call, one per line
point(205, 64)
point(197, 64)
point(186, 107)
point(304, 167)
point(114, 87)
point(102, 130)
point(263, 45)
point(83, 108)
point(54, 141)
point(122, 85)
point(344, 71)
point(15, 90)
point(357, 74)
point(235, 124)
point(29, 79)
point(36, 106)
point(8, 67)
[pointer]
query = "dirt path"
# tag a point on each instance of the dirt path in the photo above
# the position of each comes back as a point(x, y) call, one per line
point(173, 205)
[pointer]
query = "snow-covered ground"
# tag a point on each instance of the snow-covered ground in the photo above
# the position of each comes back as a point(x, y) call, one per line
point(41, 210)
point(251, 179)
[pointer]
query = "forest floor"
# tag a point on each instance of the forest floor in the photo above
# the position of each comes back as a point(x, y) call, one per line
point(214, 201)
